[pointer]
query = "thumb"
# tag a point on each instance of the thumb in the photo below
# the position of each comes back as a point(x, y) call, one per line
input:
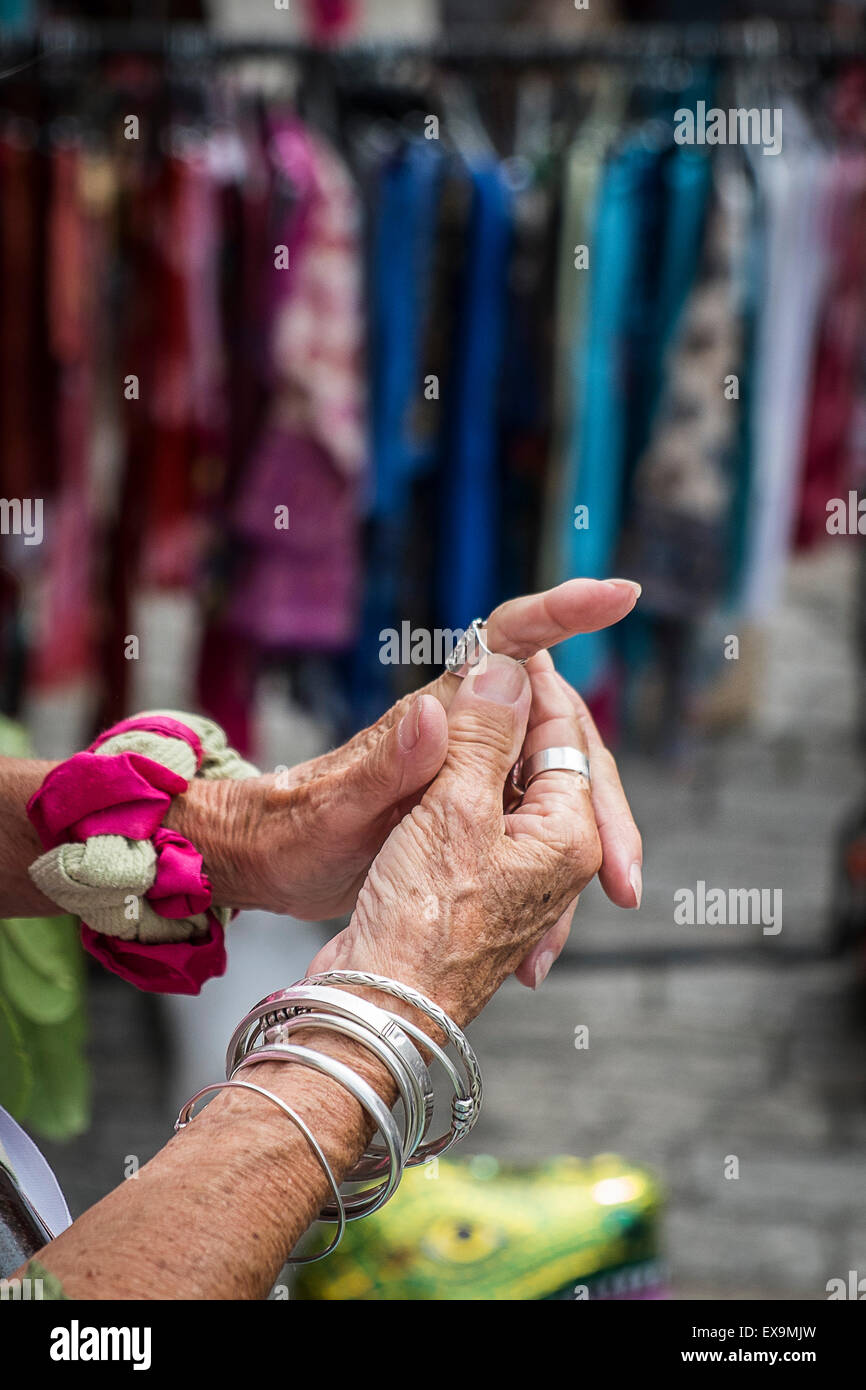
point(486, 724)
point(401, 762)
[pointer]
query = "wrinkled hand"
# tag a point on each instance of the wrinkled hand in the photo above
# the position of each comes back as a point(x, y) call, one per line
point(322, 829)
point(462, 891)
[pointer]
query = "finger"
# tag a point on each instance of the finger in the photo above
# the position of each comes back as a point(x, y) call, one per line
point(553, 723)
point(534, 970)
point(621, 872)
point(523, 626)
point(486, 724)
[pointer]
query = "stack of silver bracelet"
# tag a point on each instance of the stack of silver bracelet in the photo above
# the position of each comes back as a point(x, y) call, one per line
point(264, 1036)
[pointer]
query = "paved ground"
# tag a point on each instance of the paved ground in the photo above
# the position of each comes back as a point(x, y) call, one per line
point(704, 1042)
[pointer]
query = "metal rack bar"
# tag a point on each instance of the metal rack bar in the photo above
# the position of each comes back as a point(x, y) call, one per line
point(758, 41)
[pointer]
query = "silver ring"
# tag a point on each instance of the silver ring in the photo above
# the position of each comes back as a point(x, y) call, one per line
point(566, 759)
point(466, 652)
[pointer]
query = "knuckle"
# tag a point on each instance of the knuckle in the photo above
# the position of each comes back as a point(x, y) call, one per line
point(378, 765)
point(434, 819)
point(590, 854)
point(483, 735)
point(603, 758)
point(578, 845)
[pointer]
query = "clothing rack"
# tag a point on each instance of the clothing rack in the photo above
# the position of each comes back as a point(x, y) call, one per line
point(756, 41)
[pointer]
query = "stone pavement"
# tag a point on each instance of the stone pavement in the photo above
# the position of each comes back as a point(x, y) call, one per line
point(705, 1043)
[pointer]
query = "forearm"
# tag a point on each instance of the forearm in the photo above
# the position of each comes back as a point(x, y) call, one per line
point(217, 1211)
point(19, 843)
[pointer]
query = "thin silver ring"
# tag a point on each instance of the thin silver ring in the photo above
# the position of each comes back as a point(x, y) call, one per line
point(463, 658)
point(185, 1117)
point(564, 759)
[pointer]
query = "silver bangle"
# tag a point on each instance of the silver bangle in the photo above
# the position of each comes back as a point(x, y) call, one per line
point(375, 1159)
point(185, 1117)
point(461, 1104)
point(463, 1109)
point(359, 1203)
point(467, 1111)
point(299, 999)
point(266, 1016)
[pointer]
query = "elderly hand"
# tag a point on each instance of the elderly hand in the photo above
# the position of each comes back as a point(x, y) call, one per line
point(463, 892)
point(303, 844)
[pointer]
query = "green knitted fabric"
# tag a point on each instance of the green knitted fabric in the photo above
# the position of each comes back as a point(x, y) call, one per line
point(104, 880)
point(219, 760)
point(173, 753)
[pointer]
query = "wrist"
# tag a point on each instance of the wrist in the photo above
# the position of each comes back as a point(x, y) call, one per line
point(362, 956)
point(222, 820)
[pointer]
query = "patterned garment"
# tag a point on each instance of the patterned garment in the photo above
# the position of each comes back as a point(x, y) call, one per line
point(298, 586)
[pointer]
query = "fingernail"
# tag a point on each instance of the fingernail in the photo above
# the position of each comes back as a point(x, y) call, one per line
point(542, 968)
point(409, 728)
point(635, 878)
point(629, 583)
point(500, 679)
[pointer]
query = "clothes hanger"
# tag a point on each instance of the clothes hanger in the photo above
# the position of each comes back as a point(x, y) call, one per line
point(465, 127)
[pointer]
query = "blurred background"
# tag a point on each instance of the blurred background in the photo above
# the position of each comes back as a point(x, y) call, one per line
point(439, 279)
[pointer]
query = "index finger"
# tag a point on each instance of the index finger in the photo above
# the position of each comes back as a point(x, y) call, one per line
point(523, 626)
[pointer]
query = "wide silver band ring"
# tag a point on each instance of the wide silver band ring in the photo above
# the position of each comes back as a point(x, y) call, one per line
point(565, 759)
point(468, 651)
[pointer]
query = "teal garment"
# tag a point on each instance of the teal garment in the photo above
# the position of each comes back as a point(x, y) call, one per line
point(683, 189)
point(644, 257)
point(752, 271)
point(596, 451)
point(17, 16)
